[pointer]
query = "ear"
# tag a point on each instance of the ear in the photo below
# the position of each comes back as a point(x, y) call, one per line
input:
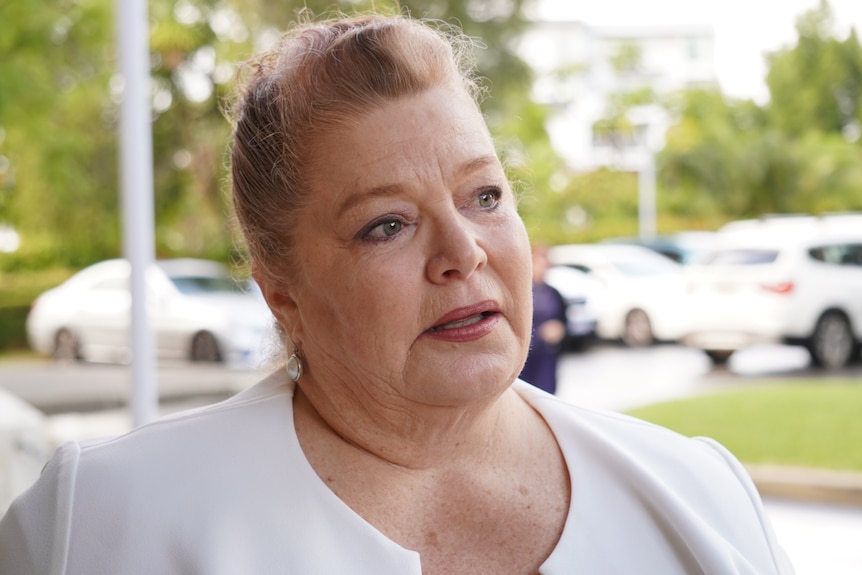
point(282, 304)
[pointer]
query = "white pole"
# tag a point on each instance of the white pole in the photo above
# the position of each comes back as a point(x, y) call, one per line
point(646, 198)
point(136, 167)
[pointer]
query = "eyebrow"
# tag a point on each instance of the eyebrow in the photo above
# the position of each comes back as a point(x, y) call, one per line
point(389, 190)
point(354, 200)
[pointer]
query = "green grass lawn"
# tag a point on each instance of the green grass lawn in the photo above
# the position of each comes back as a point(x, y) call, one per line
point(807, 423)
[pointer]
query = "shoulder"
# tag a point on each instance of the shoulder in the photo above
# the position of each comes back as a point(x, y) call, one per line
point(29, 541)
point(215, 461)
point(547, 289)
point(184, 442)
point(187, 439)
point(614, 429)
point(627, 471)
point(616, 442)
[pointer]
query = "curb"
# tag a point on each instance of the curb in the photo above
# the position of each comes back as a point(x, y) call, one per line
point(807, 484)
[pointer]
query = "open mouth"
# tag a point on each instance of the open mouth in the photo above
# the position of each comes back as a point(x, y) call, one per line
point(468, 321)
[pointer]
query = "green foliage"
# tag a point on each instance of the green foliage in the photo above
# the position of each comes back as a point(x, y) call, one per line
point(723, 159)
point(13, 321)
point(55, 113)
point(59, 114)
point(816, 85)
point(627, 57)
point(807, 424)
point(615, 125)
point(831, 180)
point(586, 207)
point(799, 153)
point(17, 291)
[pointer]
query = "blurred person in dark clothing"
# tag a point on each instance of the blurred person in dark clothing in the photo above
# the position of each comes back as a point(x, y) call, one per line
point(549, 327)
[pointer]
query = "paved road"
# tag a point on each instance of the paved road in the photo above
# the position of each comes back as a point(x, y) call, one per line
point(820, 539)
point(78, 387)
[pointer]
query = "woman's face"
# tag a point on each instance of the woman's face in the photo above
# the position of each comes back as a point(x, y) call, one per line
point(414, 264)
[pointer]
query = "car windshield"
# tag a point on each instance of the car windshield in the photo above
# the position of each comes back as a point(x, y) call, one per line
point(742, 257)
point(639, 265)
point(206, 284)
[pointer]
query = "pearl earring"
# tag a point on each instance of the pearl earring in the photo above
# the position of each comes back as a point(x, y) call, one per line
point(294, 367)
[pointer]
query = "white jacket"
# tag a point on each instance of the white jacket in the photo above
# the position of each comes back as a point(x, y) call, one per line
point(226, 490)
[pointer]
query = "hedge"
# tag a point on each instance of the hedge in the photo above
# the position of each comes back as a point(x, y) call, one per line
point(18, 290)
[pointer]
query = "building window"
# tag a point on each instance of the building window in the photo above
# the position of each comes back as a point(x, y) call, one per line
point(693, 48)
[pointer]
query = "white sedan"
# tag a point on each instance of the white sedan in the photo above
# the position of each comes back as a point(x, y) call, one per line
point(639, 294)
point(197, 311)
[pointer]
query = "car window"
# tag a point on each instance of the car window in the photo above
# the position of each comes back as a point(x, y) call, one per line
point(644, 268)
point(580, 267)
point(645, 263)
point(741, 257)
point(838, 254)
point(205, 284)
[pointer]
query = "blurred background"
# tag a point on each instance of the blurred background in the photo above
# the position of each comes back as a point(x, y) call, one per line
point(747, 108)
point(696, 165)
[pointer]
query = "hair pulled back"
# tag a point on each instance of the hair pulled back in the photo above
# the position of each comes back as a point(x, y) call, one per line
point(323, 76)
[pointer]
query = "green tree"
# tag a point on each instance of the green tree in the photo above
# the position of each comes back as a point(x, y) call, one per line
point(58, 113)
point(817, 83)
point(615, 125)
point(799, 153)
point(721, 156)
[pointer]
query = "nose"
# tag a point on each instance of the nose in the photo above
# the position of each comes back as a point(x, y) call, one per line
point(455, 251)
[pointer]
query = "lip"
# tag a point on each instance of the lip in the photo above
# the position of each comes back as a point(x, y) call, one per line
point(481, 319)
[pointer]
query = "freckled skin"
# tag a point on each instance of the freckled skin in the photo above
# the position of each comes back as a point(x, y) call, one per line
point(413, 313)
point(362, 308)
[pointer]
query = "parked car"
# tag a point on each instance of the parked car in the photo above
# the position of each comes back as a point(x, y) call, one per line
point(682, 247)
point(197, 312)
point(578, 291)
point(637, 291)
point(794, 280)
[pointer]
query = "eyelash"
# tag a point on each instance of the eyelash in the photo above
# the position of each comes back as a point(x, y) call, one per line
point(495, 192)
point(366, 233)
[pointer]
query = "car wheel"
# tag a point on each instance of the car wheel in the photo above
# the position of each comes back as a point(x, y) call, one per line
point(205, 348)
point(66, 346)
point(719, 356)
point(832, 345)
point(637, 330)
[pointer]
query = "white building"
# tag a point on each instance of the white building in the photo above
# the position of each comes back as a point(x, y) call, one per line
point(581, 68)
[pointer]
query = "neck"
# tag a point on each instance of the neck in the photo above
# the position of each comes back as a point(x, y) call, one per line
point(410, 436)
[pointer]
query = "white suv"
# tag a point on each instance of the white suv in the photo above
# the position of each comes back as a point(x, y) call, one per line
point(792, 279)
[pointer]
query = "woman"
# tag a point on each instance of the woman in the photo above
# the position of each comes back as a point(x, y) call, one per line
point(385, 238)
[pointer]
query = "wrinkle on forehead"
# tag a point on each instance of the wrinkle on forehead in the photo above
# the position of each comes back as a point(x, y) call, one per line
point(398, 146)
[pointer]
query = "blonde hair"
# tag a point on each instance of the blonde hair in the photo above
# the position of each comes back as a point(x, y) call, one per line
point(323, 76)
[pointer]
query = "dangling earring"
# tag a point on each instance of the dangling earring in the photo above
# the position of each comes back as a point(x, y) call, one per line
point(294, 366)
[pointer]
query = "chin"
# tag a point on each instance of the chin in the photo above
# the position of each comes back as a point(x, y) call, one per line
point(466, 381)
